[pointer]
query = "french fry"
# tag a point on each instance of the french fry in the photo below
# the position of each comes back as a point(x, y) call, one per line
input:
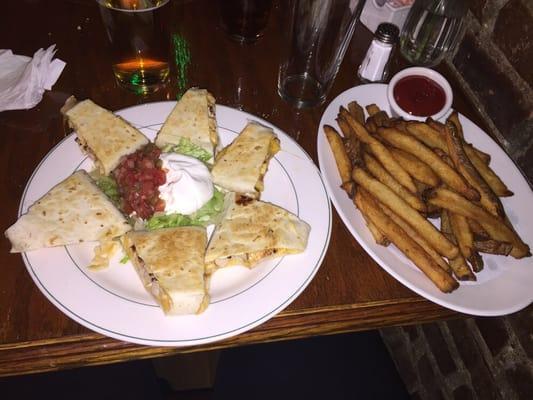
point(390, 199)
point(354, 151)
point(352, 144)
point(371, 126)
point(357, 112)
point(477, 230)
point(341, 158)
point(418, 239)
point(427, 135)
point(399, 124)
point(493, 247)
point(493, 180)
point(382, 153)
point(454, 119)
point(495, 227)
point(458, 264)
point(461, 270)
point(405, 243)
point(420, 150)
point(476, 261)
point(381, 119)
point(465, 241)
point(432, 135)
point(415, 167)
point(349, 188)
point(482, 156)
point(444, 157)
point(462, 233)
point(378, 236)
point(377, 117)
point(372, 109)
point(381, 174)
point(436, 125)
point(346, 130)
point(462, 163)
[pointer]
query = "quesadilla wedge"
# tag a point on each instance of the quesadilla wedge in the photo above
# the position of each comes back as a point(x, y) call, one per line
point(170, 263)
point(73, 211)
point(103, 135)
point(241, 166)
point(251, 231)
point(191, 122)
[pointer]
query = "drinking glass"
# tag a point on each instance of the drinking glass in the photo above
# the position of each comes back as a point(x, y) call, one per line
point(138, 33)
point(244, 20)
point(432, 30)
point(317, 35)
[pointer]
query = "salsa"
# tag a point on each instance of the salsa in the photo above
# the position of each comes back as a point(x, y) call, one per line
point(138, 177)
point(419, 95)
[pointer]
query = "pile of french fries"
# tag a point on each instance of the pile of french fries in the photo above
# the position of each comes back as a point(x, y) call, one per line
point(400, 173)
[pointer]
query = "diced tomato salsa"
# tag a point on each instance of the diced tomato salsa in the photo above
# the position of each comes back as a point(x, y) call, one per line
point(138, 177)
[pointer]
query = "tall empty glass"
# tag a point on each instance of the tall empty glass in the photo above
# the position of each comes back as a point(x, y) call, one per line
point(317, 35)
point(432, 30)
point(138, 32)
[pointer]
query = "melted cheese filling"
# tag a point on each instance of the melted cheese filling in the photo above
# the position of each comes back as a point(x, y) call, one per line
point(247, 259)
point(150, 280)
point(273, 148)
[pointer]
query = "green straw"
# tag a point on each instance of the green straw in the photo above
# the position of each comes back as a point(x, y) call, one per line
point(182, 56)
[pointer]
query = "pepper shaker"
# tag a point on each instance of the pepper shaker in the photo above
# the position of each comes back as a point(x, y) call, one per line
point(375, 65)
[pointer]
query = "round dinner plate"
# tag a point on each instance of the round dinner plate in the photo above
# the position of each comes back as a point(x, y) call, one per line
point(114, 302)
point(504, 285)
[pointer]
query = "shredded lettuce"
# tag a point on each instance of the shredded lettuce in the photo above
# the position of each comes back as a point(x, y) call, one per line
point(188, 148)
point(168, 221)
point(124, 260)
point(109, 186)
point(203, 217)
point(209, 210)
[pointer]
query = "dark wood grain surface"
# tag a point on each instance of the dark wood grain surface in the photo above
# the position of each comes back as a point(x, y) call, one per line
point(350, 292)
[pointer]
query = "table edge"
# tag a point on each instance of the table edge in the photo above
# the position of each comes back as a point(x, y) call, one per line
point(95, 349)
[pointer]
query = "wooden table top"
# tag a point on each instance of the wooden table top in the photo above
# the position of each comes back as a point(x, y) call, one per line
point(350, 291)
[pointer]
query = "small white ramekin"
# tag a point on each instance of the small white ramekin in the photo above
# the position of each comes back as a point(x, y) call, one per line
point(397, 111)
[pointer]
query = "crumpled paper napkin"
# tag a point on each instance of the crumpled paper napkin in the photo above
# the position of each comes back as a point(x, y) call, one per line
point(23, 80)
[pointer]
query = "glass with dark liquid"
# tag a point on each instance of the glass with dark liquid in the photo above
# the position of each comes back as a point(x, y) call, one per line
point(138, 32)
point(244, 20)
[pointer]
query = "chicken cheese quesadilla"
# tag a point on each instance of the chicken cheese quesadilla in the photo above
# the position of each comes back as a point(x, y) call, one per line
point(191, 125)
point(240, 167)
point(170, 263)
point(103, 135)
point(73, 211)
point(251, 231)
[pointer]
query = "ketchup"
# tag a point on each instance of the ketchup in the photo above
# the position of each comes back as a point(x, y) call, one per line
point(419, 95)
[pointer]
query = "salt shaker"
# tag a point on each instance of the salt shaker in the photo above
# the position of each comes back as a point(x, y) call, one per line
point(374, 67)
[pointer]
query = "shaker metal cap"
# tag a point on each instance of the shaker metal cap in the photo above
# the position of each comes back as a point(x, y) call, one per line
point(387, 33)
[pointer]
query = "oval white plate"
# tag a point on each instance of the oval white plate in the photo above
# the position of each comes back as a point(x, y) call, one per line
point(113, 302)
point(504, 285)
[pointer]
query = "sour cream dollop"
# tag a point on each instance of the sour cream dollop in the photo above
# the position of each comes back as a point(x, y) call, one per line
point(188, 186)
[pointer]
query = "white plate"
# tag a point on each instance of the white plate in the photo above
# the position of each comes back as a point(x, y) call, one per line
point(113, 302)
point(504, 285)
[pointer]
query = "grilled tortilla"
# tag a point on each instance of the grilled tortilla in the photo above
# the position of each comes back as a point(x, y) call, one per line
point(241, 166)
point(73, 211)
point(192, 118)
point(251, 231)
point(170, 263)
point(103, 135)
